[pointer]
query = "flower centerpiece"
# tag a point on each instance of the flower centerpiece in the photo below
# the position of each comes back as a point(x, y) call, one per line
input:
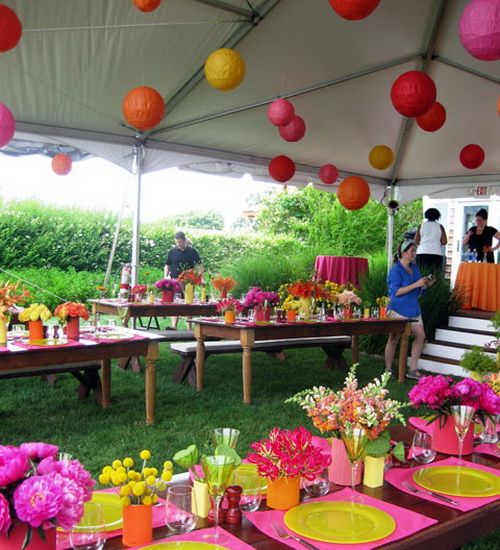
point(348, 298)
point(383, 302)
point(168, 288)
point(283, 458)
point(35, 315)
point(229, 306)
point(10, 295)
point(138, 291)
point(261, 301)
point(438, 394)
point(291, 306)
point(39, 492)
point(70, 313)
point(223, 285)
point(190, 278)
point(306, 292)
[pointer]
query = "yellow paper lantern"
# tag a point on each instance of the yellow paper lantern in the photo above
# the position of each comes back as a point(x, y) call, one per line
point(381, 157)
point(225, 69)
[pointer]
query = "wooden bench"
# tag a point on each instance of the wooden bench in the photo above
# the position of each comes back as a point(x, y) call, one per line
point(333, 346)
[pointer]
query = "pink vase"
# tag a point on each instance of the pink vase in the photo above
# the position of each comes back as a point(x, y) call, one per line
point(262, 314)
point(16, 538)
point(167, 296)
point(339, 471)
point(445, 440)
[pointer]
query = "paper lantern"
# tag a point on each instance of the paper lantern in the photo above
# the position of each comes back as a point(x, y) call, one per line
point(280, 112)
point(353, 193)
point(224, 69)
point(328, 174)
point(354, 10)
point(10, 29)
point(294, 130)
point(61, 164)
point(146, 5)
point(433, 119)
point(7, 125)
point(143, 107)
point(413, 93)
point(381, 157)
point(472, 156)
point(281, 168)
point(479, 29)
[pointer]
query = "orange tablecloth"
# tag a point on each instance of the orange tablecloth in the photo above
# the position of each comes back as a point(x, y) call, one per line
point(480, 285)
point(341, 269)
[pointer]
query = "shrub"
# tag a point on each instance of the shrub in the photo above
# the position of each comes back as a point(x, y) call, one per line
point(477, 361)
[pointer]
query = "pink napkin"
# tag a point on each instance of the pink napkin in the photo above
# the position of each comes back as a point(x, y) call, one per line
point(419, 424)
point(407, 522)
point(197, 536)
point(487, 449)
point(396, 476)
point(68, 344)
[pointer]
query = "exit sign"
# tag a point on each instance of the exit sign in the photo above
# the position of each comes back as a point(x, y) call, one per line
point(480, 191)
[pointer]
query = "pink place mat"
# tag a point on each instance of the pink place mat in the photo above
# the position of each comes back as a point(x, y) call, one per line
point(396, 476)
point(487, 449)
point(3, 349)
point(69, 344)
point(407, 522)
point(197, 536)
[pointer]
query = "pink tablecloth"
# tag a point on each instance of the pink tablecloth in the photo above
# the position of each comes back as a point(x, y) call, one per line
point(341, 269)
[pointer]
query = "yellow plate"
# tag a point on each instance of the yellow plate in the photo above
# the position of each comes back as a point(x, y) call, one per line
point(113, 336)
point(459, 481)
point(339, 522)
point(249, 468)
point(48, 342)
point(184, 545)
point(111, 509)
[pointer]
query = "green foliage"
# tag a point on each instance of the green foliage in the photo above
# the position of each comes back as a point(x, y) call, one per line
point(200, 220)
point(478, 361)
point(380, 446)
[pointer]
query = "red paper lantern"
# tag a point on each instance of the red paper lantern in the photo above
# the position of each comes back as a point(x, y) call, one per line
point(146, 5)
point(413, 93)
point(280, 112)
point(7, 125)
point(294, 130)
point(281, 168)
point(143, 107)
point(61, 164)
point(479, 29)
point(10, 29)
point(472, 156)
point(328, 173)
point(354, 10)
point(353, 193)
point(433, 119)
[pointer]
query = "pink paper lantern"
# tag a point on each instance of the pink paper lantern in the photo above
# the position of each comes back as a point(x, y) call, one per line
point(281, 168)
point(7, 125)
point(472, 156)
point(413, 93)
point(280, 112)
point(11, 29)
point(433, 119)
point(294, 130)
point(328, 174)
point(479, 29)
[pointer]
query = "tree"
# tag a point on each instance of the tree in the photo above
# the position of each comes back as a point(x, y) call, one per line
point(200, 220)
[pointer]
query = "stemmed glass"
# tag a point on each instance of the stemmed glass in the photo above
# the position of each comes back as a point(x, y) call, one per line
point(355, 440)
point(217, 470)
point(462, 417)
point(225, 436)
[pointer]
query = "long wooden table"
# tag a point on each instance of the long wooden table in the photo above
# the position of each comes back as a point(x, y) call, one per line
point(248, 333)
point(37, 359)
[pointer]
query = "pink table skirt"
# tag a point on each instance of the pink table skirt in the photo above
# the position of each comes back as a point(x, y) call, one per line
point(341, 269)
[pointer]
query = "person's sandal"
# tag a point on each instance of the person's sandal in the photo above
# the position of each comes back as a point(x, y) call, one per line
point(413, 375)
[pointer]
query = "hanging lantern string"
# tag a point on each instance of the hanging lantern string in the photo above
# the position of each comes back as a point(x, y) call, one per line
point(30, 283)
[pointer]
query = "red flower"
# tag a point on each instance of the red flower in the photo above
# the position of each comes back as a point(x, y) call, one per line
point(71, 309)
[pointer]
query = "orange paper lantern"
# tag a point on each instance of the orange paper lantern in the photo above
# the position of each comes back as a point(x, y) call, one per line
point(146, 5)
point(472, 156)
point(10, 29)
point(381, 157)
point(143, 107)
point(328, 174)
point(61, 164)
point(281, 168)
point(353, 193)
point(413, 93)
point(354, 10)
point(433, 119)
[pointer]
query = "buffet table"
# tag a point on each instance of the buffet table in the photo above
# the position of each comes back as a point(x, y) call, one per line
point(341, 269)
point(479, 284)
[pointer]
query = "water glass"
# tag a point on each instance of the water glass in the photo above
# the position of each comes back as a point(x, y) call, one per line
point(319, 486)
point(253, 487)
point(421, 450)
point(180, 508)
point(17, 332)
point(490, 434)
point(89, 533)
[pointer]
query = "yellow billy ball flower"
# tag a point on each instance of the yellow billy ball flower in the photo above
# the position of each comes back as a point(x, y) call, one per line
point(104, 479)
point(168, 465)
point(147, 500)
point(131, 483)
point(145, 454)
point(107, 470)
point(131, 474)
point(146, 472)
point(161, 485)
point(115, 479)
point(122, 476)
point(121, 469)
point(166, 475)
point(154, 472)
point(154, 498)
point(139, 489)
point(125, 491)
point(125, 501)
point(138, 476)
point(150, 480)
point(128, 462)
point(116, 464)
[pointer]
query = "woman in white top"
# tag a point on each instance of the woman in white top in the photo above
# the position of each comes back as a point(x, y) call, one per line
point(430, 238)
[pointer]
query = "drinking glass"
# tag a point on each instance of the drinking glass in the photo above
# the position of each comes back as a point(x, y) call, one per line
point(217, 470)
point(17, 332)
point(180, 509)
point(462, 417)
point(225, 436)
point(490, 434)
point(253, 487)
point(89, 533)
point(421, 448)
point(355, 440)
point(319, 486)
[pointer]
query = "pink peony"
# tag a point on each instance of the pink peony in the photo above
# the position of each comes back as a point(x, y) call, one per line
point(68, 468)
point(4, 514)
point(38, 499)
point(489, 401)
point(37, 451)
point(74, 496)
point(13, 464)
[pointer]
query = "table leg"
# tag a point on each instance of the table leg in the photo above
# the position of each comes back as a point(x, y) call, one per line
point(355, 348)
point(106, 382)
point(200, 357)
point(150, 384)
point(403, 352)
point(247, 339)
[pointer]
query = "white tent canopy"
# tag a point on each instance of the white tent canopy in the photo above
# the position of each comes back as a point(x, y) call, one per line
point(77, 59)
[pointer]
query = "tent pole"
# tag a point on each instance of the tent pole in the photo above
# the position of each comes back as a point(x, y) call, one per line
point(390, 237)
point(138, 163)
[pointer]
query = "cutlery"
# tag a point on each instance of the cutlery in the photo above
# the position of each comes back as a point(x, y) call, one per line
point(285, 535)
point(436, 495)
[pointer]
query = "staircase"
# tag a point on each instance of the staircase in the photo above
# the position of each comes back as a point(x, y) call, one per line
point(465, 329)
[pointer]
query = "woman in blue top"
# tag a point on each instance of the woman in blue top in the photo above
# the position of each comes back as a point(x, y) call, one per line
point(405, 285)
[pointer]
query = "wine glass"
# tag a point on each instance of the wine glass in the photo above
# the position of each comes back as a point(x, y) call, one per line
point(421, 448)
point(180, 509)
point(355, 440)
point(89, 533)
point(217, 470)
point(225, 436)
point(462, 417)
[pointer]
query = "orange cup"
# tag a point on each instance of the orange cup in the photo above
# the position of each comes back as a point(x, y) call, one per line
point(291, 315)
point(137, 525)
point(283, 493)
point(230, 316)
point(35, 330)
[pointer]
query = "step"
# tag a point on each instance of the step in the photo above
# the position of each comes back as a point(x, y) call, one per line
point(442, 349)
point(461, 336)
point(471, 323)
point(437, 367)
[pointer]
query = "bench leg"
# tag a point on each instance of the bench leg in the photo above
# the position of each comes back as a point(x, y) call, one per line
point(200, 359)
point(334, 357)
point(184, 369)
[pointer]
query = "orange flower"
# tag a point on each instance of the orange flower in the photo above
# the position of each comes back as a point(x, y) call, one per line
point(223, 284)
point(10, 295)
point(71, 309)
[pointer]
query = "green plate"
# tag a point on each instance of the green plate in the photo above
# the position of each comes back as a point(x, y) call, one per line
point(339, 522)
point(48, 342)
point(459, 481)
point(184, 545)
point(111, 509)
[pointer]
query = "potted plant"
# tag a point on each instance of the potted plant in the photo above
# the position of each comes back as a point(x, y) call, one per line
point(495, 344)
point(383, 302)
point(168, 288)
point(478, 363)
point(10, 295)
point(70, 313)
point(229, 306)
point(35, 315)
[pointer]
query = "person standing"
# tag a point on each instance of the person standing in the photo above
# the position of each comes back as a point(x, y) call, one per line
point(180, 257)
point(480, 238)
point(430, 238)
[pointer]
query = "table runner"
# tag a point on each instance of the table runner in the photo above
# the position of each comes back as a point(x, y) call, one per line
point(3, 349)
point(128, 338)
point(407, 522)
point(232, 542)
point(396, 476)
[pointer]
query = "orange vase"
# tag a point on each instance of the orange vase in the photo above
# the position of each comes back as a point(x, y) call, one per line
point(137, 525)
point(283, 493)
point(230, 316)
point(35, 330)
point(291, 315)
point(383, 312)
point(73, 328)
point(347, 312)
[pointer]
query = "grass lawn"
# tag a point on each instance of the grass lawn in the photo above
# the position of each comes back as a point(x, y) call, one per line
point(32, 410)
